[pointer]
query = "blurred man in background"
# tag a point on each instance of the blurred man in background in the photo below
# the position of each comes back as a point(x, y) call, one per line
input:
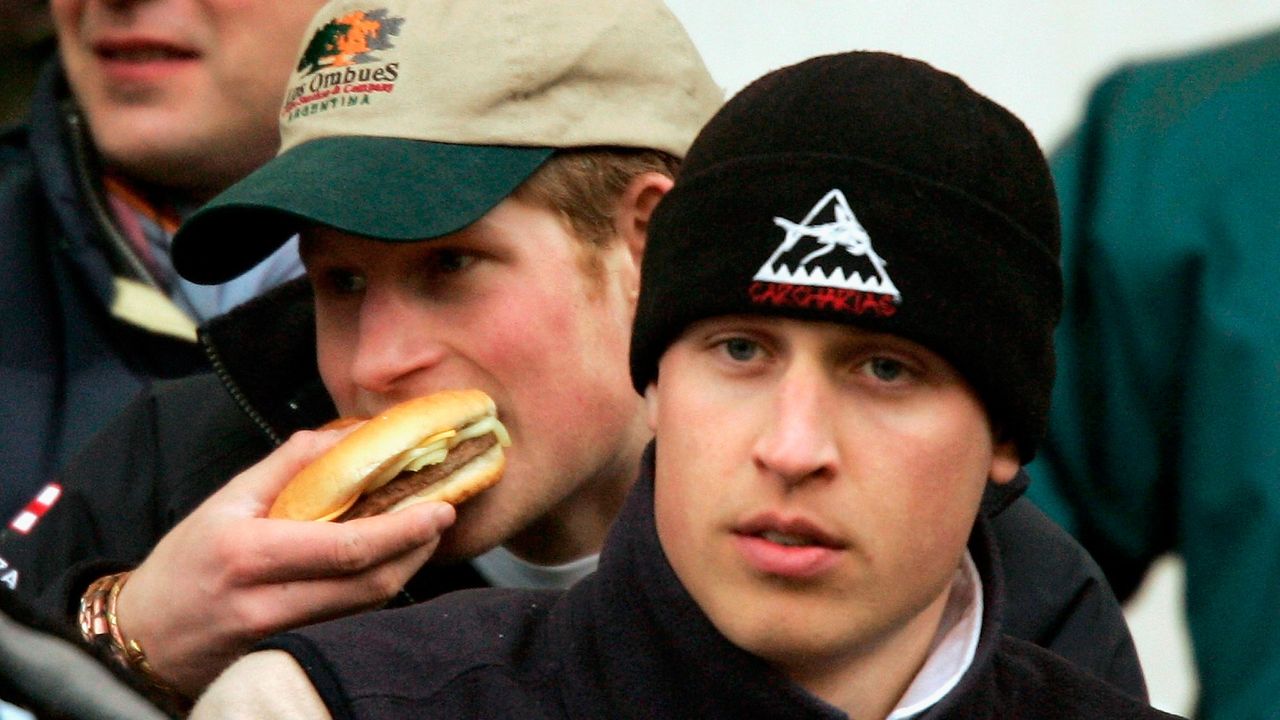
point(152, 107)
point(1166, 417)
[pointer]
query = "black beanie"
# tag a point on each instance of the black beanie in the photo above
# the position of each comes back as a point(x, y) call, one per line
point(874, 190)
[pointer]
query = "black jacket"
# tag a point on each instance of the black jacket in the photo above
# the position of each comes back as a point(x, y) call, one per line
point(629, 642)
point(67, 364)
point(182, 440)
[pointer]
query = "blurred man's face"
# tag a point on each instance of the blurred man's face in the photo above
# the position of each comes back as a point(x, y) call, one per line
point(182, 93)
point(504, 306)
point(816, 487)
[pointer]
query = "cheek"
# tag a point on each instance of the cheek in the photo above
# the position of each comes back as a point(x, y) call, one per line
point(926, 509)
point(694, 468)
point(925, 477)
point(66, 14)
point(677, 512)
point(553, 344)
point(250, 69)
point(335, 348)
point(67, 18)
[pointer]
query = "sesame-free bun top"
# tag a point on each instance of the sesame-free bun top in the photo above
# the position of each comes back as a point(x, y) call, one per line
point(371, 454)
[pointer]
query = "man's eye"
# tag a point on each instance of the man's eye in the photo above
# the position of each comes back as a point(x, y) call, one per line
point(741, 349)
point(451, 261)
point(345, 282)
point(886, 369)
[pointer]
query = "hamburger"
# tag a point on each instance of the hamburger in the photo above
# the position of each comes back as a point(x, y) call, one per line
point(446, 446)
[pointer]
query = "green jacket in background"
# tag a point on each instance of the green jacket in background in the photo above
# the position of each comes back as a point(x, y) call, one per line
point(1165, 429)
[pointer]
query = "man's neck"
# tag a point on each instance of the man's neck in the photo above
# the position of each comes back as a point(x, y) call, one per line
point(870, 685)
point(577, 527)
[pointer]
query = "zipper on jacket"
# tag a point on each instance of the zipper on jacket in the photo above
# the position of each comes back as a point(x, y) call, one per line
point(123, 250)
point(220, 369)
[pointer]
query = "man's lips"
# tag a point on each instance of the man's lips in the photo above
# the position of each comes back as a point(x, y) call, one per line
point(142, 50)
point(791, 531)
point(789, 547)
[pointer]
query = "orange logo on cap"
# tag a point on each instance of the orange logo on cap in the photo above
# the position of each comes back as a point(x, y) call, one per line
point(349, 39)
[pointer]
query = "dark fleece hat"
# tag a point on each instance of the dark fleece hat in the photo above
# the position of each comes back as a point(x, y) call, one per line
point(874, 190)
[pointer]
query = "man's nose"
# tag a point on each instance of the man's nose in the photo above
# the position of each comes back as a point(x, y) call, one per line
point(397, 340)
point(797, 442)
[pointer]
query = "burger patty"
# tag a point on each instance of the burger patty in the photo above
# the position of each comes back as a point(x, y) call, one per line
point(409, 482)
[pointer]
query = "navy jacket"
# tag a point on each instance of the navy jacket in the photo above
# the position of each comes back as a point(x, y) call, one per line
point(67, 364)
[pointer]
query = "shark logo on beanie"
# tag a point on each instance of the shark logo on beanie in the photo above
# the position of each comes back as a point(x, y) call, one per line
point(827, 260)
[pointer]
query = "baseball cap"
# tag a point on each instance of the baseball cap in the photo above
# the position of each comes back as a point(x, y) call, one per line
point(410, 119)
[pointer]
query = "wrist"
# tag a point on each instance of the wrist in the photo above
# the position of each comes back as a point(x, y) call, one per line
point(99, 624)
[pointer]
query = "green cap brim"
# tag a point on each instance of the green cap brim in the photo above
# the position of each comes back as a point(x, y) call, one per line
point(389, 189)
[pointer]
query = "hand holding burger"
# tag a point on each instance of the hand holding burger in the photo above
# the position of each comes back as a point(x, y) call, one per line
point(446, 446)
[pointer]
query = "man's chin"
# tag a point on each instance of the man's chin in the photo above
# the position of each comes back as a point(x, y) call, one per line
point(471, 536)
point(160, 151)
point(455, 548)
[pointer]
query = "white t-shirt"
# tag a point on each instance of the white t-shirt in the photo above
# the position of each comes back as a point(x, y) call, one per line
point(502, 569)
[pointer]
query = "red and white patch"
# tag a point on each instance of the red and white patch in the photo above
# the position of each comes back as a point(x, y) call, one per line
point(31, 514)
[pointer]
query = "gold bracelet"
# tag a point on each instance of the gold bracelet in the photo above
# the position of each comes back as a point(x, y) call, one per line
point(93, 609)
point(99, 625)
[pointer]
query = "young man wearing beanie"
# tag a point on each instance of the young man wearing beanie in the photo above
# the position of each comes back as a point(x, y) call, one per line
point(473, 188)
point(843, 337)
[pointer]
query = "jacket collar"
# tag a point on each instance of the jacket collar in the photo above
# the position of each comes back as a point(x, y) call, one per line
point(264, 351)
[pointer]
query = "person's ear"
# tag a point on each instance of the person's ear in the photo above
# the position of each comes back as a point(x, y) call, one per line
point(635, 209)
point(651, 405)
point(1005, 462)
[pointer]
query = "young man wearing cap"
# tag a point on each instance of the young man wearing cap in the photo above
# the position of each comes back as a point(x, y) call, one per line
point(478, 174)
point(464, 225)
point(844, 338)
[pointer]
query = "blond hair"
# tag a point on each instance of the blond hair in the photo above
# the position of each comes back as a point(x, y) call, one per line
point(583, 186)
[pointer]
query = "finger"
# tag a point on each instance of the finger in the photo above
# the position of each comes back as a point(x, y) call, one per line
point(280, 606)
point(291, 550)
point(264, 481)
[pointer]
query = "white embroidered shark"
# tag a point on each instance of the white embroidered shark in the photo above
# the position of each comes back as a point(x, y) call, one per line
point(844, 233)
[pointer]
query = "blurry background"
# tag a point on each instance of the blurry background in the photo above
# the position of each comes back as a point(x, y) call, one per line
point(1039, 59)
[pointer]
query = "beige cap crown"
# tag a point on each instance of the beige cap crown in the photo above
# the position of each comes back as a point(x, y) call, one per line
point(544, 73)
point(407, 120)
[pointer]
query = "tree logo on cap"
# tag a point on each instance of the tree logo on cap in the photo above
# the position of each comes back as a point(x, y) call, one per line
point(826, 262)
point(338, 67)
point(349, 39)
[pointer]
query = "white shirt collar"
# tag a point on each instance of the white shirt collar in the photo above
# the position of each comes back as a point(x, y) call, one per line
point(502, 569)
point(953, 646)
